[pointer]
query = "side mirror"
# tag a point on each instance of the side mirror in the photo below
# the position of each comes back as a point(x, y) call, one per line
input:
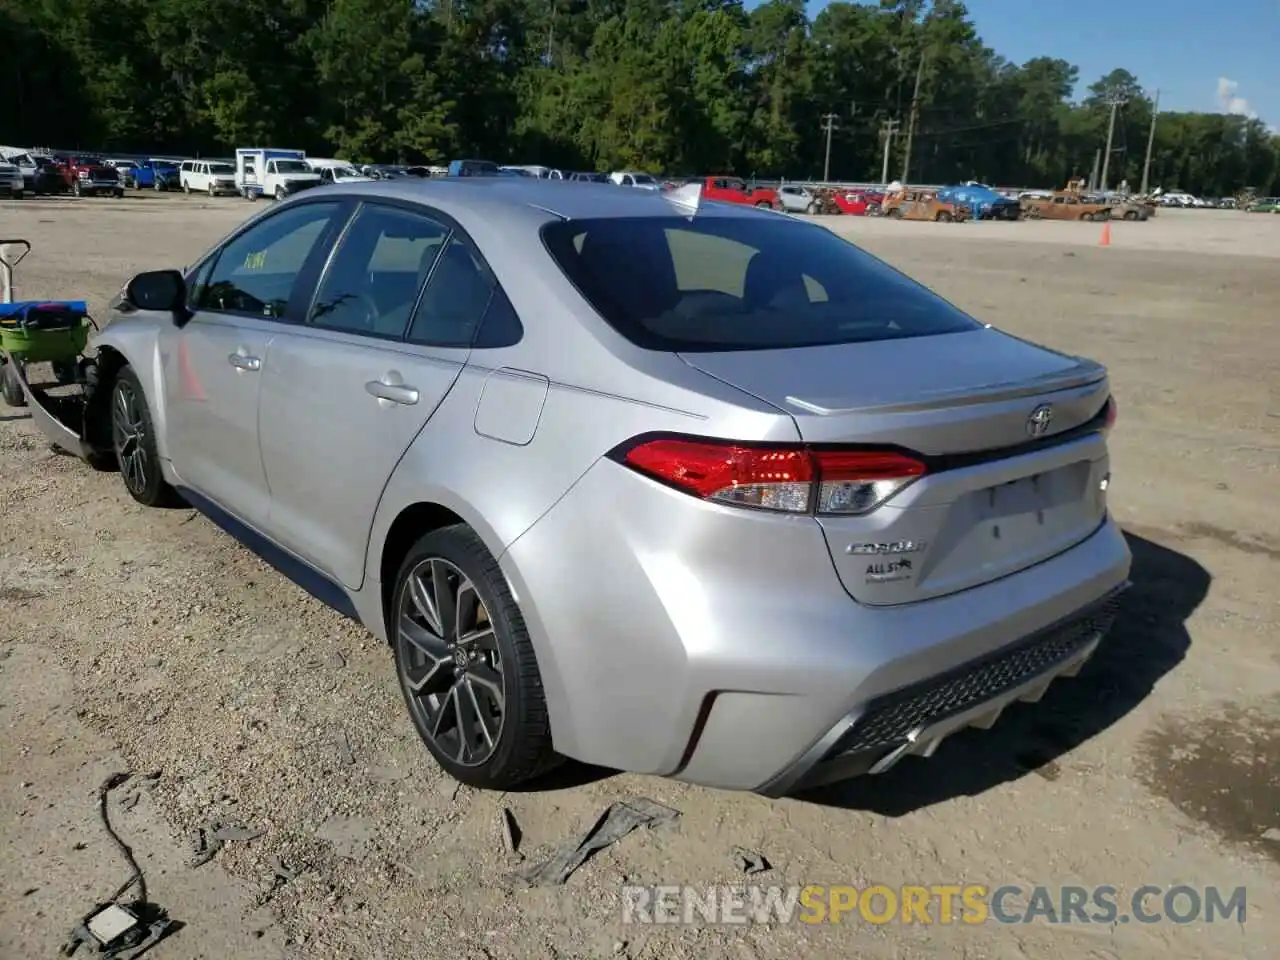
point(160, 290)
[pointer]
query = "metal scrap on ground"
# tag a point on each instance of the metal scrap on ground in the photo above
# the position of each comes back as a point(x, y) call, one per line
point(208, 840)
point(751, 862)
point(614, 824)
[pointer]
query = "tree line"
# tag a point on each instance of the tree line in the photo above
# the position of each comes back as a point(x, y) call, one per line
point(678, 86)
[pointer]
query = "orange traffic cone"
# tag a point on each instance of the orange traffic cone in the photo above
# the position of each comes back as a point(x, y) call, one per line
point(1106, 234)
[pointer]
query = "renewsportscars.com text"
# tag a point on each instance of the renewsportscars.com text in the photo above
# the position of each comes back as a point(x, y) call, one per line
point(933, 904)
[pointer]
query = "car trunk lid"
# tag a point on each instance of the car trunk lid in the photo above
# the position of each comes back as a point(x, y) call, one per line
point(1009, 432)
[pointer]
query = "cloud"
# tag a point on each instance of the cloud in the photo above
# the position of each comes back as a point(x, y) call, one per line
point(1230, 102)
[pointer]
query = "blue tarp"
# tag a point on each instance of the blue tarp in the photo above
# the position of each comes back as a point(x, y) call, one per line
point(23, 308)
point(980, 197)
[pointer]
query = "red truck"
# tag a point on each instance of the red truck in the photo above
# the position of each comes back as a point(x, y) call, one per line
point(734, 190)
point(88, 175)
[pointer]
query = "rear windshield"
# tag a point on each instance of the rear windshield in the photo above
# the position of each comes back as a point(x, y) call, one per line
point(741, 283)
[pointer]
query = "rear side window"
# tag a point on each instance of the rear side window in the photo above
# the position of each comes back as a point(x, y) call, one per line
point(741, 283)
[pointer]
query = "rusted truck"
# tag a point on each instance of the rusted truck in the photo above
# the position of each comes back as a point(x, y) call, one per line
point(1064, 206)
point(1068, 204)
point(921, 205)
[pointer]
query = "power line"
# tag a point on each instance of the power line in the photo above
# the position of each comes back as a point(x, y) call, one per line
point(1151, 140)
point(829, 124)
point(888, 130)
point(1116, 99)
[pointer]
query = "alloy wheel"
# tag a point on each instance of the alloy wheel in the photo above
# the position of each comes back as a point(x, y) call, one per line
point(451, 667)
point(128, 436)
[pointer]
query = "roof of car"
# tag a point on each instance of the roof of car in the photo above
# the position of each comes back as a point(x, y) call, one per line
point(460, 196)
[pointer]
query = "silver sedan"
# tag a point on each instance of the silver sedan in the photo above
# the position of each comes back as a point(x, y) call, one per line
point(659, 484)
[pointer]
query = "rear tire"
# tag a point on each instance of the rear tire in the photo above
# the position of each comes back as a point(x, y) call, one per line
point(10, 388)
point(895, 214)
point(133, 440)
point(453, 564)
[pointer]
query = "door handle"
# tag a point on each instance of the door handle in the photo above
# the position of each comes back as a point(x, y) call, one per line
point(243, 362)
point(392, 392)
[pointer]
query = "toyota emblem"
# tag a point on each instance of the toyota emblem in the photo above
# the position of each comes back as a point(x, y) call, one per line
point(1038, 422)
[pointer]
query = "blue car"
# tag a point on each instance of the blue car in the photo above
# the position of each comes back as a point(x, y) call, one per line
point(474, 168)
point(983, 202)
point(158, 174)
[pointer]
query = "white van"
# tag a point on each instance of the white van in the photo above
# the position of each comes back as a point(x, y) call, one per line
point(207, 176)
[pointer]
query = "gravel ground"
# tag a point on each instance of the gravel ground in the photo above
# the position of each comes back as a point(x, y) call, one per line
point(149, 641)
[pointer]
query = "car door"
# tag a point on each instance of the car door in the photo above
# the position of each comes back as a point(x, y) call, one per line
point(243, 295)
point(344, 395)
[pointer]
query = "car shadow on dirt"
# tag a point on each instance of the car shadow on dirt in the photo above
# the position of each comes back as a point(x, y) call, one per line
point(1148, 640)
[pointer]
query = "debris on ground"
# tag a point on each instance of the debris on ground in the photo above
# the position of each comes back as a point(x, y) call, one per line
point(510, 831)
point(206, 841)
point(614, 824)
point(1272, 834)
point(750, 862)
point(112, 928)
point(342, 743)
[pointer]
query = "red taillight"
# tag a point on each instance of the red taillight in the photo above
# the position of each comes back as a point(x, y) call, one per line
point(793, 479)
point(1111, 414)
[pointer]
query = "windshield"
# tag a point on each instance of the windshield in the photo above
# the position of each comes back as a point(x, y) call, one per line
point(738, 283)
point(90, 162)
point(646, 179)
point(20, 160)
point(221, 168)
point(291, 166)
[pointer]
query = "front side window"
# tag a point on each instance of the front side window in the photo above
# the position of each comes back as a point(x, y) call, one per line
point(256, 271)
point(373, 279)
point(741, 283)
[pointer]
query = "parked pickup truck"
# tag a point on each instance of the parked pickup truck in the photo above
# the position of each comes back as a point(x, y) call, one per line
point(91, 176)
point(733, 190)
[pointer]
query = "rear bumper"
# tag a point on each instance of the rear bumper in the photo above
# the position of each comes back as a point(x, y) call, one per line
point(717, 645)
point(915, 720)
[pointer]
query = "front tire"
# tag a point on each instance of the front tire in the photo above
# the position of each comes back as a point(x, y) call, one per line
point(466, 664)
point(133, 439)
point(279, 194)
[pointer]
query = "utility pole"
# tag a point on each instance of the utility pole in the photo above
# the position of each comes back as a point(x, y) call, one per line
point(1151, 141)
point(828, 124)
point(911, 126)
point(888, 130)
point(1093, 176)
point(1116, 100)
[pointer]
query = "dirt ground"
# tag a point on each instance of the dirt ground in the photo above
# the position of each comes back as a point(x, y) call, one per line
point(147, 641)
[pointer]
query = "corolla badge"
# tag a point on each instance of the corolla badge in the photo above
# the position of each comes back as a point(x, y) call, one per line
point(1038, 422)
point(880, 549)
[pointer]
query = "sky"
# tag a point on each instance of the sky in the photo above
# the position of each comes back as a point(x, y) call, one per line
point(1202, 56)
